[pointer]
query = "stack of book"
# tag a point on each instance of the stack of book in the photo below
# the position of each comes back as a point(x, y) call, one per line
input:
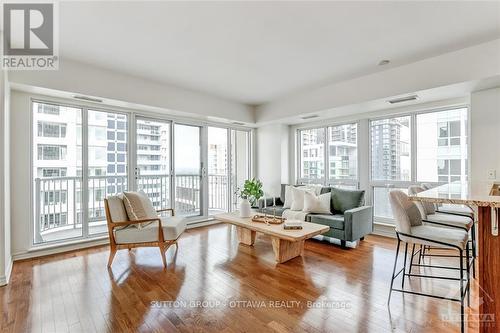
point(292, 225)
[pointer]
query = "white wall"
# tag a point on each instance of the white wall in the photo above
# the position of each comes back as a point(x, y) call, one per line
point(273, 157)
point(485, 130)
point(79, 78)
point(20, 172)
point(466, 65)
point(5, 218)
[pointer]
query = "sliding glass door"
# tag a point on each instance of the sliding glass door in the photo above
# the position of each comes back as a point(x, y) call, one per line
point(57, 172)
point(107, 167)
point(81, 155)
point(153, 169)
point(218, 170)
point(189, 170)
point(79, 158)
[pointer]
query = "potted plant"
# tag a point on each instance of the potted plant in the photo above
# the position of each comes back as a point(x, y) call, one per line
point(250, 193)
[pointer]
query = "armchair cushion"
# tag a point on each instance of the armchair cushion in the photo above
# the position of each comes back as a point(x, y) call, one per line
point(173, 227)
point(139, 207)
point(343, 200)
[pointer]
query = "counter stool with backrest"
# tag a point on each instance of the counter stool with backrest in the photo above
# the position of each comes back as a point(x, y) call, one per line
point(429, 213)
point(410, 229)
point(127, 231)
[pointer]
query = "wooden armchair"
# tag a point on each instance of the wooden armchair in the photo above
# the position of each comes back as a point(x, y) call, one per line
point(123, 233)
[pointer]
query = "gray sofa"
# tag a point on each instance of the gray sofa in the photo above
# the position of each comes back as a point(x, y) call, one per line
point(350, 220)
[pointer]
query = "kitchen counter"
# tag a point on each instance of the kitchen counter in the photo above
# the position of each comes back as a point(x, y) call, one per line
point(486, 195)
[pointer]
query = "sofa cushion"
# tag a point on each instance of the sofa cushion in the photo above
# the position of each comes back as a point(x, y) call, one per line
point(316, 204)
point(173, 227)
point(333, 221)
point(288, 197)
point(298, 198)
point(343, 200)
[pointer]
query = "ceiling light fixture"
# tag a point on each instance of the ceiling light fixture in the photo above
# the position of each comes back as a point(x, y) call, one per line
point(384, 62)
point(403, 99)
point(86, 98)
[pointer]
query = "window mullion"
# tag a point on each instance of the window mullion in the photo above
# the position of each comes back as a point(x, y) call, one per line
point(85, 176)
point(326, 162)
point(413, 148)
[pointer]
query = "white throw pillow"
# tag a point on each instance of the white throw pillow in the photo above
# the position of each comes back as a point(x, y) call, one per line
point(288, 197)
point(317, 204)
point(316, 189)
point(298, 198)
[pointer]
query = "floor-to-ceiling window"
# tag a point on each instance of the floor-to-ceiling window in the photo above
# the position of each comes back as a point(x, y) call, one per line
point(420, 147)
point(312, 155)
point(390, 160)
point(328, 155)
point(442, 146)
point(81, 155)
point(342, 155)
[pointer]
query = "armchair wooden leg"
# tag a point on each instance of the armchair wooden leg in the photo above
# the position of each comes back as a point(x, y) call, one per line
point(112, 252)
point(162, 253)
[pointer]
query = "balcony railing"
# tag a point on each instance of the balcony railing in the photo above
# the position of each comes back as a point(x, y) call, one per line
point(58, 200)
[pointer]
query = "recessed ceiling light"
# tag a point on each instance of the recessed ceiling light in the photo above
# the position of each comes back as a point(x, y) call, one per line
point(384, 62)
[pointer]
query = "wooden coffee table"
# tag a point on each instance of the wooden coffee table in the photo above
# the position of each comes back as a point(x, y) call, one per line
point(287, 244)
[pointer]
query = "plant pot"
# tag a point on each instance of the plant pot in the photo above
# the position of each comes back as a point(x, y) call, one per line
point(245, 208)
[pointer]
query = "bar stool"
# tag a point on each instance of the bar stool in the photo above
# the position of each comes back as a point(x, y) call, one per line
point(410, 229)
point(451, 220)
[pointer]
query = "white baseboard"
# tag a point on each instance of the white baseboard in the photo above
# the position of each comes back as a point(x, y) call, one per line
point(202, 223)
point(59, 248)
point(6, 278)
point(383, 229)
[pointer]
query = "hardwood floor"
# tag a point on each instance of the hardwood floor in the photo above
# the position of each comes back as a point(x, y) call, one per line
point(328, 290)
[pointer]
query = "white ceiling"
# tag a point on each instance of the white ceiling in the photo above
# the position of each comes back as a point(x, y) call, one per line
point(255, 52)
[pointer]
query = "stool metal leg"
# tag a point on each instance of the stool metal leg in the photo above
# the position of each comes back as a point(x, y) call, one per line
point(404, 267)
point(394, 270)
point(411, 258)
point(462, 327)
point(420, 255)
point(473, 235)
point(467, 263)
